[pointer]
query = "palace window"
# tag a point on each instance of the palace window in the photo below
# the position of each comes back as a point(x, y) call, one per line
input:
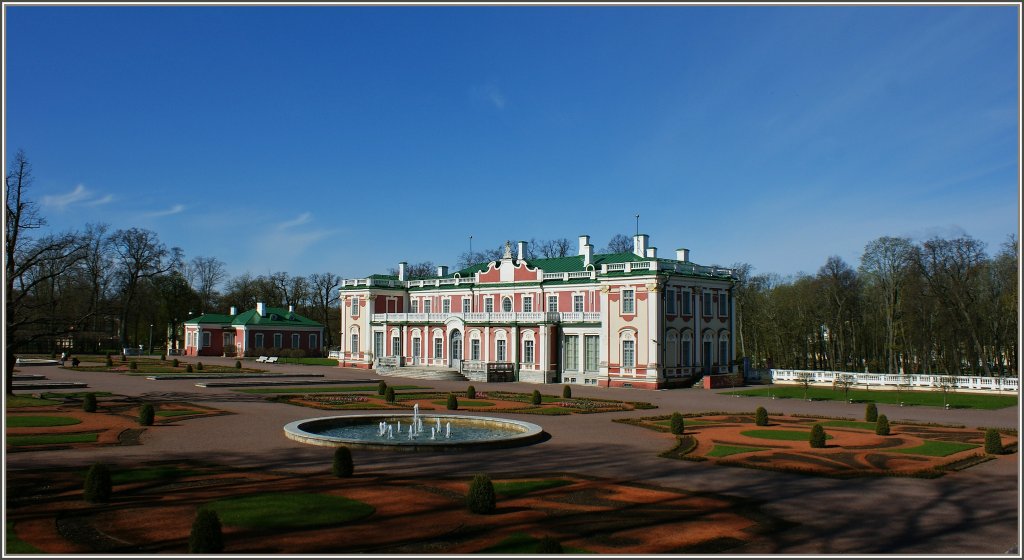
point(278, 343)
point(506, 304)
point(627, 302)
point(489, 305)
point(415, 307)
point(426, 306)
point(628, 353)
point(577, 303)
point(670, 302)
point(396, 346)
point(687, 361)
point(206, 339)
point(591, 350)
point(378, 344)
point(527, 304)
point(499, 347)
point(466, 304)
point(312, 342)
point(446, 305)
point(353, 345)
point(295, 340)
point(572, 353)
point(438, 348)
point(723, 351)
point(707, 304)
point(474, 349)
point(528, 351)
point(686, 302)
point(723, 304)
point(553, 303)
point(355, 306)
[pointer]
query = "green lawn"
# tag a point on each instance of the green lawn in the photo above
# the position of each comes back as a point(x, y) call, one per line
point(15, 545)
point(917, 397)
point(40, 421)
point(720, 450)
point(289, 510)
point(849, 424)
point(519, 488)
point(356, 389)
point(934, 448)
point(786, 435)
point(521, 543)
point(147, 474)
point(18, 401)
point(75, 395)
point(51, 439)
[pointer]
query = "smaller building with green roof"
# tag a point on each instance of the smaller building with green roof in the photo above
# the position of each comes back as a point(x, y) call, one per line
point(263, 331)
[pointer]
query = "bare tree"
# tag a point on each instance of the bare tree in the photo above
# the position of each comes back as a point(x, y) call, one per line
point(139, 255)
point(30, 263)
point(885, 262)
point(555, 248)
point(324, 290)
point(620, 243)
point(204, 275)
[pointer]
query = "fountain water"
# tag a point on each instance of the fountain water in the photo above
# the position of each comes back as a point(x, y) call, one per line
point(378, 431)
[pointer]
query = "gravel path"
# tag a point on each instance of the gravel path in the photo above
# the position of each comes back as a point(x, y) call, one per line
point(973, 512)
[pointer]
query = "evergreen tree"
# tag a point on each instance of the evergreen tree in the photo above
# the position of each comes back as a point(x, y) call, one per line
point(481, 498)
point(206, 536)
point(342, 466)
point(98, 485)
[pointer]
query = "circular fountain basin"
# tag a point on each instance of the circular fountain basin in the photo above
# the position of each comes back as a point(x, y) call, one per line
point(363, 431)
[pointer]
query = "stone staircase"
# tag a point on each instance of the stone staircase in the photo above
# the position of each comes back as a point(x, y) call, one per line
point(425, 373)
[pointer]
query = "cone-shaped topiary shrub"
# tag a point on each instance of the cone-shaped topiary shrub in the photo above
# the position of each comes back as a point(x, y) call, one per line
point(146, 415)
point(817, 436)
point(676, 423)
point(389, 394)
point(124, 358)
point(342, 466)
point(548, 545)
point(238, 364)
point(133, 365)
point(761, 416)
point(480, 498)
point(89, 402)
point(206, 536)
point(536, 397)
point(98, 485)
point(471, 392)
point(871, 412)
point(110, 361)
point(188, 368)
point(993, 442)
point(175, 362)
point(566, 392)
point(453, 402)
point(882, 425)
point(199, 366)
point(381, 387)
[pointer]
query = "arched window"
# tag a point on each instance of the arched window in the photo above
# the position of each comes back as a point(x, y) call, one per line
point(628, 345)
point(723, 349)
point(506, 304)
point(671, 349)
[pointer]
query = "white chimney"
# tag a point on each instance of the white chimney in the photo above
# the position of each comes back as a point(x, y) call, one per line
point(442, 270)
point(652, 252)
point(291, 309)
point(261, 309)
point(584, 241)
point(401, 271)
point(640, 244)
point(522, 251)
point(683, 255)
point(234, 311)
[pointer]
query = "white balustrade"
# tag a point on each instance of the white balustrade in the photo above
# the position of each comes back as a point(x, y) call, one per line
point(905, 380)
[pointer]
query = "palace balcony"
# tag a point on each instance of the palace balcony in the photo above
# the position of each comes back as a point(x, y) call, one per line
point(500, 317)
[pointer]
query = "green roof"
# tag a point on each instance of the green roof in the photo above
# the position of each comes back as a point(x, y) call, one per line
point(275, 317)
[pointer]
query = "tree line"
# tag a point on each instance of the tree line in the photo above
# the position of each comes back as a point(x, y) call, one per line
point(937, 306)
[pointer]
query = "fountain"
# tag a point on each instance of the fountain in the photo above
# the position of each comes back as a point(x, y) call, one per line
point(375, 431)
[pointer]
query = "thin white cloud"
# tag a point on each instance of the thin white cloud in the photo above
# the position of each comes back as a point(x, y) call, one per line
point(303, 218)
point(101, 201)
point(62, 201)
point(176, 209)
point(491, 94)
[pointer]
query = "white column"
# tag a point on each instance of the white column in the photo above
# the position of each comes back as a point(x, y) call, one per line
point(514, 343)
point(606, 338)
point(698, 336)
point(545, 360)
point(732, 327)
point(405, 340)
point(654, 327)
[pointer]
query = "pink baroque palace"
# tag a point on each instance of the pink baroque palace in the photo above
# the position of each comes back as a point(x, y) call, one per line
point(610, 320)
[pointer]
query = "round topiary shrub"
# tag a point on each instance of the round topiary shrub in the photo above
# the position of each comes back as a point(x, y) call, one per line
point(342, 466)
point(381, 387)
point(188, 368)
point(548, 545)
point(98, 485)
point(993, 442)
point(471, 392)
point(175, 362)
point(133, 365)
point(238, 364)
point(206, 536)
point(882, 425)
point(89, 402)
point(199, 366)
point(453, 402)
point(566, 392)
point(536, 397)
point(817, 436)
point(389, 394)
point(871, 412)
point(676, 423)
point(146, 415)
point(110, 361)
point(480, 498)
point(124, 358)
point(761, 416)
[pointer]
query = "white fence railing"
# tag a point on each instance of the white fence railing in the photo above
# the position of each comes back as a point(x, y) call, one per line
point(965, 382)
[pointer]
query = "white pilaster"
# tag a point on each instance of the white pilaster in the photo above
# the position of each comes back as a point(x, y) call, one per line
point(654, 334)
point(606, 338)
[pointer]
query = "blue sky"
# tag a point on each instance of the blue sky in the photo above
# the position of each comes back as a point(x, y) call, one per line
point(348, 138)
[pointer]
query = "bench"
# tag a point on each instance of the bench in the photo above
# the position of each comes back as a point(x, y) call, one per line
point(261, 359)
point(272, 360)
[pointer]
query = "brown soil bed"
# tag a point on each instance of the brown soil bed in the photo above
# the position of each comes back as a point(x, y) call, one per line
point(850, 452)
point(421, 516)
